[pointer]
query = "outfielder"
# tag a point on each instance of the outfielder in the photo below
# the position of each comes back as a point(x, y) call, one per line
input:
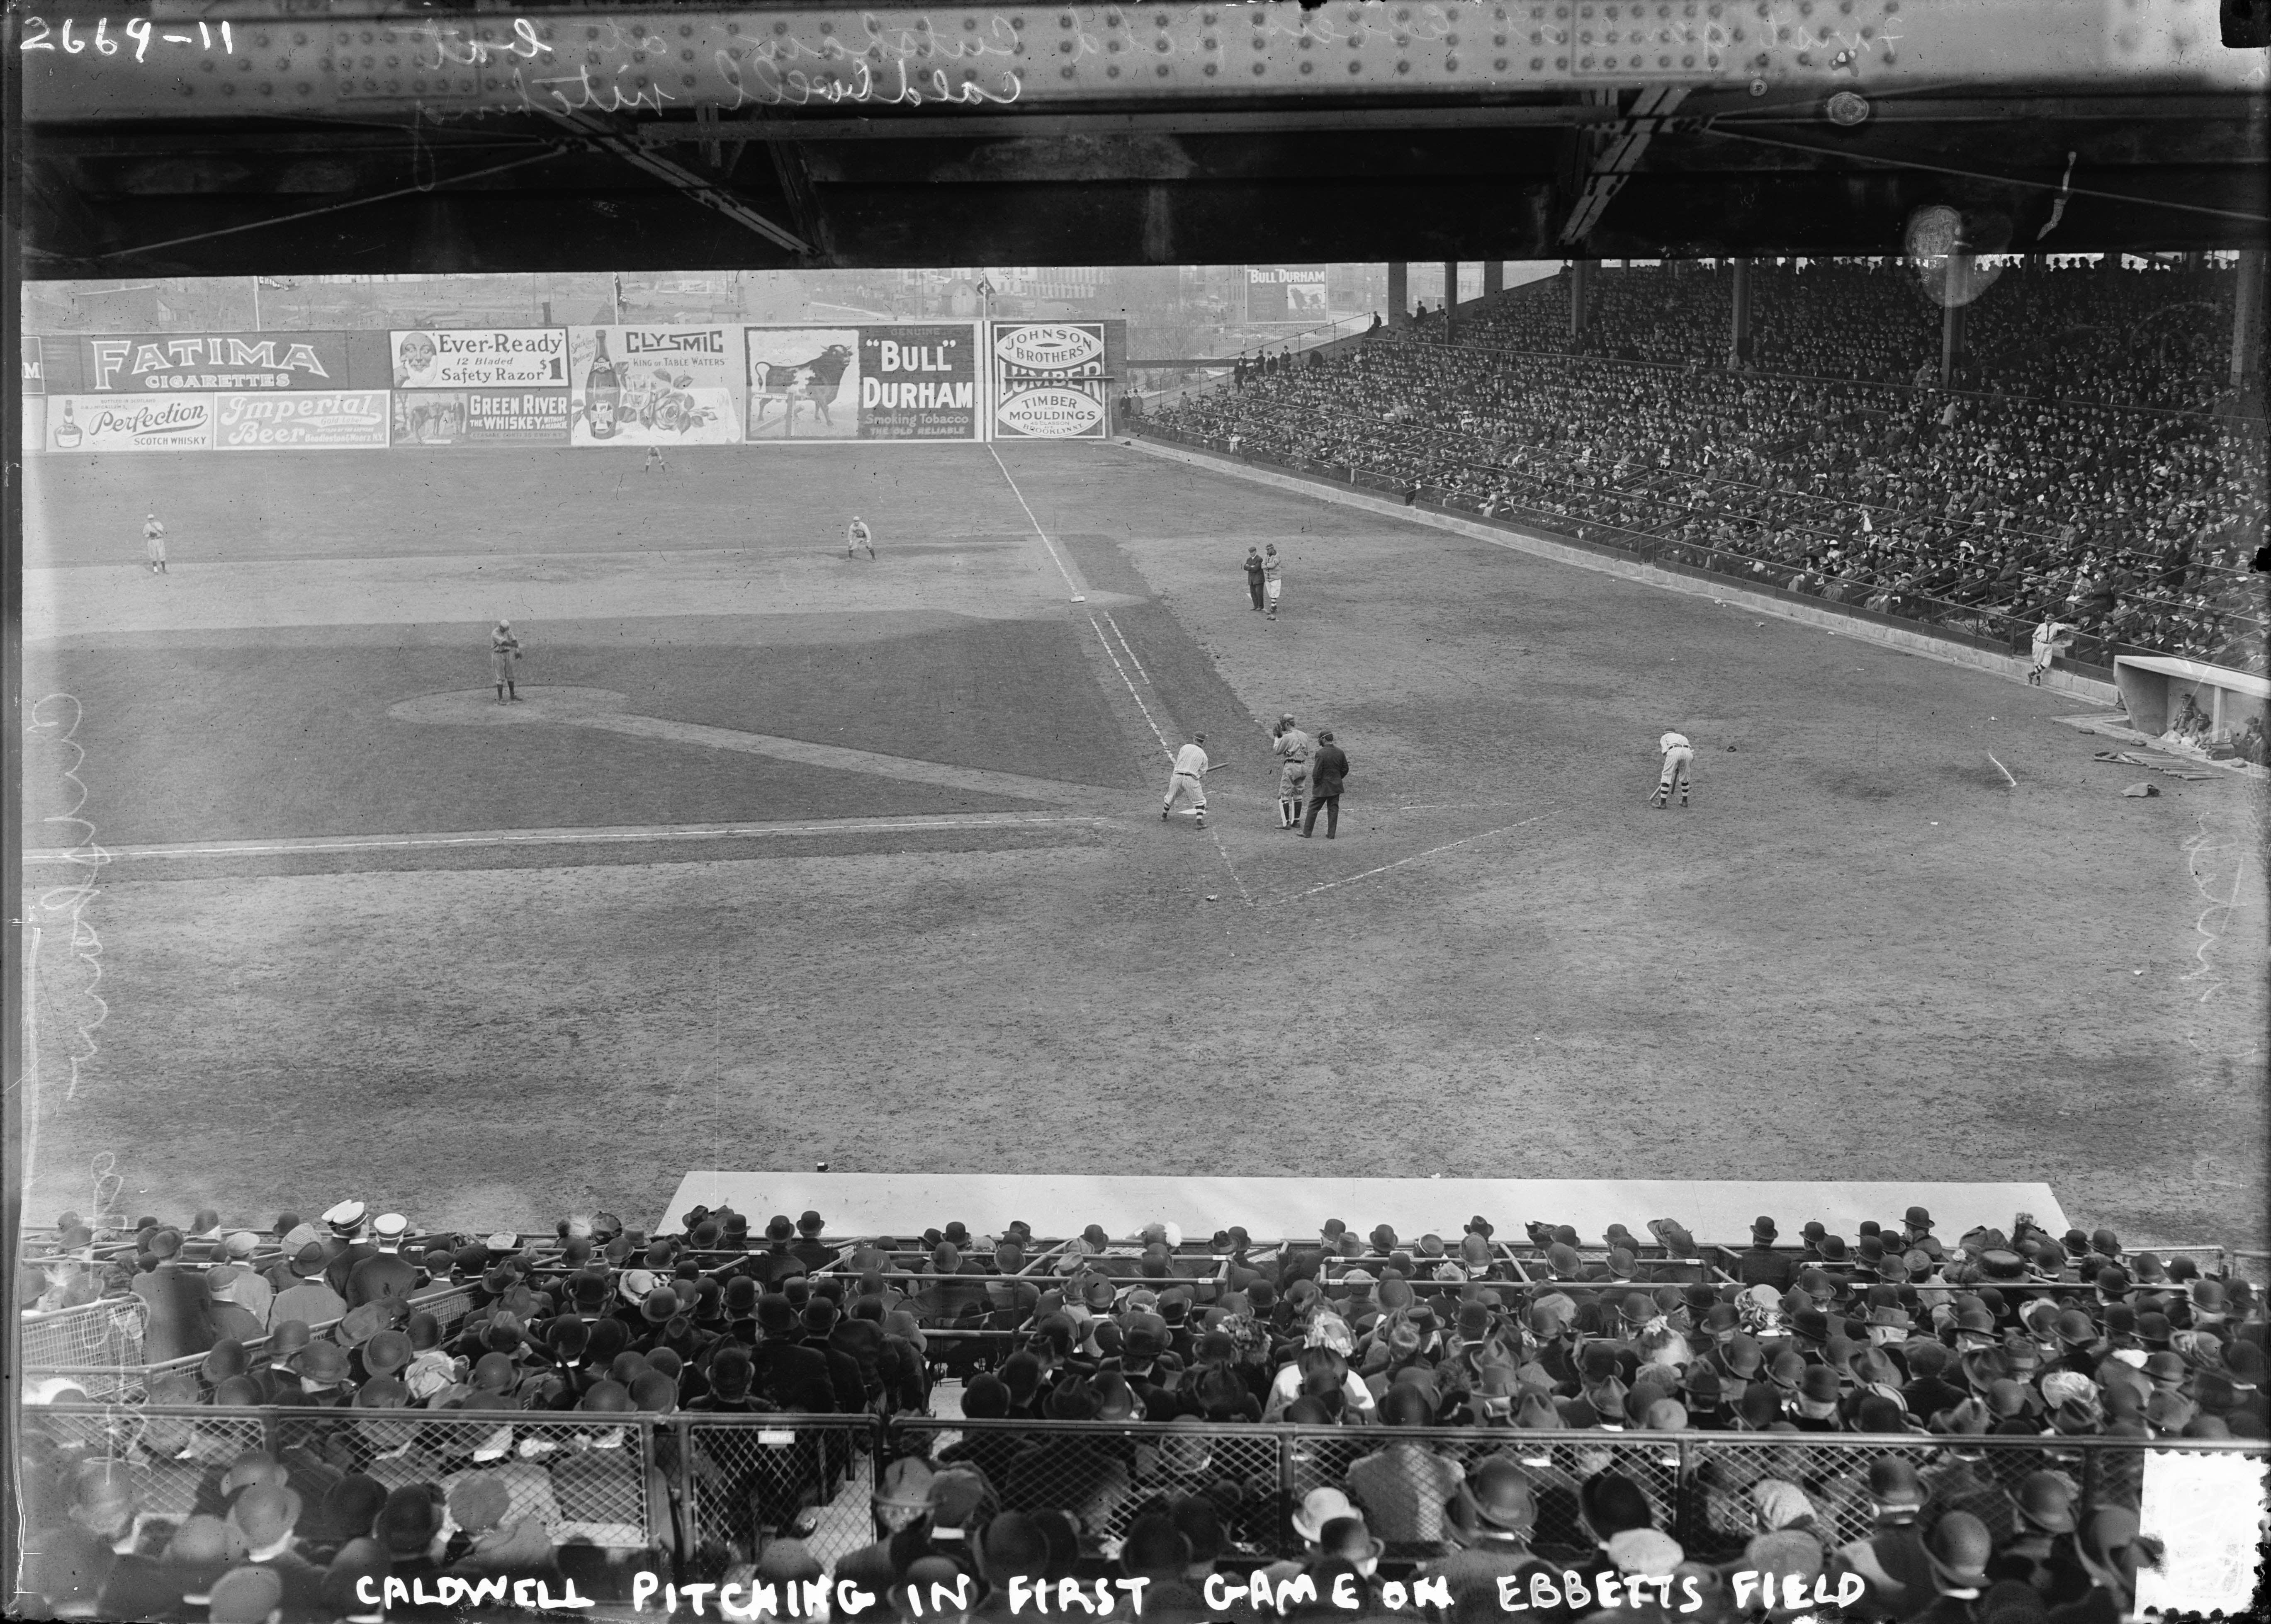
point(1273, 583)
point(2050, 640)
point(154, 543)
point(1291, 747)
point(1678, 754)
point(504, 649)
point(1188, 782)
point(858, 537)
point(653, 461)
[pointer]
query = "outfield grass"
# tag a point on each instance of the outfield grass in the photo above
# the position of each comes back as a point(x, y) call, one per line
point(1860, 955)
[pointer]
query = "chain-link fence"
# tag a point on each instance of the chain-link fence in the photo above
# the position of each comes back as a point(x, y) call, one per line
point(117, 1375)
point(584, 1480)
point(106, 1333)
point(742, 1482)
point(1704, 1488)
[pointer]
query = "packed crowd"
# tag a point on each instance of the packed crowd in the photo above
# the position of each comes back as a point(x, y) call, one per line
point(2158, 337)
point(1618, 1347)
point(1991, 514)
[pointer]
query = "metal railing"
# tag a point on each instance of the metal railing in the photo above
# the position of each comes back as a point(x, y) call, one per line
point(129, 1380)
point(709, 1492)
point(584, 1478)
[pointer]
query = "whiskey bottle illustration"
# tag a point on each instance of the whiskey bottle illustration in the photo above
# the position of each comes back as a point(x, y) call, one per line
point(603, 393)
point(67, 432)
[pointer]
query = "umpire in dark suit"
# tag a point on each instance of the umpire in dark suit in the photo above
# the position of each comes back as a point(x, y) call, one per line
point(1327, 769)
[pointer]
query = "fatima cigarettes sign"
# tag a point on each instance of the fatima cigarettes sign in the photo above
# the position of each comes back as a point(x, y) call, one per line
point(1050, 380)
point(167, 363)
point(504, 358)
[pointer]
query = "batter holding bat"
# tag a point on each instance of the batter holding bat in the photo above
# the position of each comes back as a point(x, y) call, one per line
point(1188, 784)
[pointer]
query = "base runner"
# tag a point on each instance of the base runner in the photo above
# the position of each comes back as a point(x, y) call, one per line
point(857, 537)
point(1678, 754)
point(1273, 579)
point(154, 543)
point(1187, 785)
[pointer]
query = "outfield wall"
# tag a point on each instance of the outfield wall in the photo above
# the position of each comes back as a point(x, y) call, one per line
point(619, 384)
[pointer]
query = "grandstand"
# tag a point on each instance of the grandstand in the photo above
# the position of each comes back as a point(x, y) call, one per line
point(786, 1400)
point(2093, 484)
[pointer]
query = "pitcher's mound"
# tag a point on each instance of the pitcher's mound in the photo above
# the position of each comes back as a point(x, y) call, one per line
point(478, 707)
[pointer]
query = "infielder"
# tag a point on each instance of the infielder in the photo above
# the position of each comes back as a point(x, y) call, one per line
point(2050, 640)
point(1291, 747)
point(858, 537)
point(1273, 583)
point(1678, 754)
point(504, 649)
point(1188, 782)
point(154, 543)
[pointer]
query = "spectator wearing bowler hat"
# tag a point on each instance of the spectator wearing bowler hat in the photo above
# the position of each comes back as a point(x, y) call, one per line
point(1760, 1265)
point(178, 1321)
point(1490, 1518)
point(309, 1298)
point(809, 1249)
point(1892, 1558)
point(789, 1372)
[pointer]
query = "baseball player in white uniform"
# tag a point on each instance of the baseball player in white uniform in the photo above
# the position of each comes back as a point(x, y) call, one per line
point(2051, 638)
point(1273, 581)
point(1678, 754)
point(154, 543)
point(858, 537)
point(1291, 747)
point(504, 649)
point(1187, 785)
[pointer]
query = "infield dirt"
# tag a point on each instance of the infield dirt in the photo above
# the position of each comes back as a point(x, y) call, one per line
point(1861, 954)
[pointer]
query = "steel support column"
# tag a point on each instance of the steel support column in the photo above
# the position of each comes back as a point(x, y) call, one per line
point(1399, 293)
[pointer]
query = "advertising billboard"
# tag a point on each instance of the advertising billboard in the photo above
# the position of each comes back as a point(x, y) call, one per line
point(96, 423)
point(913, 382)
point(499, 358)
point(483, 417)
point(169, 363)
point(33, 365)
point(641, 386)
point(337, 419)
point(1286, 293)
point(1051, 380)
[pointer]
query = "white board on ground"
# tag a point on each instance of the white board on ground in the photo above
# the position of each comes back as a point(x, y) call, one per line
point(1713, 1211)
point(2207, 1511)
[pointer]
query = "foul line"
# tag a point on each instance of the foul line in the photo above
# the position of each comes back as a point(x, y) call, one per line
point(1077, 597)
point(1165, 748)
point(1124, 643)
point(662, 832)
point(1400, 862)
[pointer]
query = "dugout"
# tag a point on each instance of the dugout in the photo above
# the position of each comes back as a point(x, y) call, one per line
point(2154, 688)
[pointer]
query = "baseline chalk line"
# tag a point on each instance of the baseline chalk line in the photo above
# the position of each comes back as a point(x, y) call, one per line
point(1351, 880)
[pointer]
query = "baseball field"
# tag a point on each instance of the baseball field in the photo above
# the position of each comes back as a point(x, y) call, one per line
point(788, 857)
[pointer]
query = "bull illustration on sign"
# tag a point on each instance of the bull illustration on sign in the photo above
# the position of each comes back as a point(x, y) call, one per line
point(814, 382)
